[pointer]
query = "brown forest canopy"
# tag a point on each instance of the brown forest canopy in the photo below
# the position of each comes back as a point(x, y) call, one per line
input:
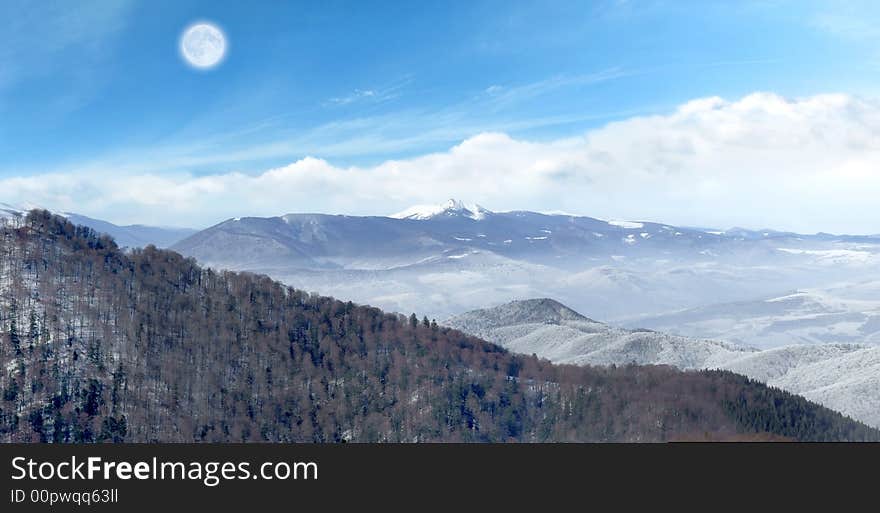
point(101, 345)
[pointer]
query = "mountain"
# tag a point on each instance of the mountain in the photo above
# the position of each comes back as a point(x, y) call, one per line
point(98, 344)
point(551, 330)
point(844, 377)
point(842, 313)
point(318, 240)
point(455, 257)
point(8, 211)
point(559, 240)
point(132, 236)
point(452, 208)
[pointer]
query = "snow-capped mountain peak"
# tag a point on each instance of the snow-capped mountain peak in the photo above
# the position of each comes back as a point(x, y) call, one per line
point(451, 207)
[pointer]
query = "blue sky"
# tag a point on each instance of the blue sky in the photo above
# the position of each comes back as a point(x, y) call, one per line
point(99, 88)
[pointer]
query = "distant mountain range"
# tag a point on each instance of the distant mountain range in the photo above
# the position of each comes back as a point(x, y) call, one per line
point(844, 312)
point(453, 257)
point(844, 377)
point(132, 236)
point(456, 230)
point(135, 235)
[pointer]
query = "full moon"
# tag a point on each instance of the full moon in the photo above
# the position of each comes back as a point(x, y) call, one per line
point(203, 45)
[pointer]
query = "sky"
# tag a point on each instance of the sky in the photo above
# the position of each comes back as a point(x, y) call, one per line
point(702, 113)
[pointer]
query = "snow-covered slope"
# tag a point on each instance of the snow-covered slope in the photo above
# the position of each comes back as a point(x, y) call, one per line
point(551, 330)
point(843, 313)
point(844, 377)
point(451, 207)
point(849, 383)
point(8, 211)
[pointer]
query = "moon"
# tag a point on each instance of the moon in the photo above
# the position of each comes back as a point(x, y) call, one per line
point(203, 45)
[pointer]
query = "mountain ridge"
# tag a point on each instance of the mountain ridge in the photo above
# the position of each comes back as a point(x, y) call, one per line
point(844, 377)
point(448, 264)
point(132, 236)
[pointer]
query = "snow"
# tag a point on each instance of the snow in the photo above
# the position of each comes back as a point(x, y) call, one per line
point(450, 207)
point(842, 313)
point(843, 377)
point(832, 256)
point(555, 332)
point(8, 211)
point(558, 213)
point(629, 225)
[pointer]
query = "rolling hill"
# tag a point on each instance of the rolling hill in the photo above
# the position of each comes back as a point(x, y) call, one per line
point(844, 377)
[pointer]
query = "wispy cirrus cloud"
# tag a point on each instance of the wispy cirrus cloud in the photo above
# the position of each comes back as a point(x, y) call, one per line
point(356, 95)
point(372, 95)
point(501, 96)
point(370, 136)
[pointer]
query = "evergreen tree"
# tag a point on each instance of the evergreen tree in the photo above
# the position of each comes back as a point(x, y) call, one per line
point(14, 337)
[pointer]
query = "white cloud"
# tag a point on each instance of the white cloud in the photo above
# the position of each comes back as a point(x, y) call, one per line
point(807, 164)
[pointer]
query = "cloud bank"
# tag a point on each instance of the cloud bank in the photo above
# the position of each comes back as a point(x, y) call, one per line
point(808, 164)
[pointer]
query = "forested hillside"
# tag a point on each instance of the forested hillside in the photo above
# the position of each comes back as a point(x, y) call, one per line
point(101, 345)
